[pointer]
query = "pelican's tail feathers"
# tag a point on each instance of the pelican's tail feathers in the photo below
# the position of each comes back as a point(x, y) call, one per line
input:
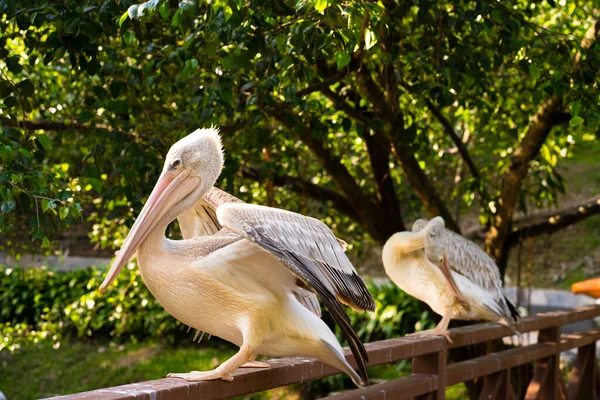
point(340, 362)
point(513, 310)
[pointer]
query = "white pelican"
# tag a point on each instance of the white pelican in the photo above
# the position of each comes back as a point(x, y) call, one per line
point(456, 278)
point(245, 273)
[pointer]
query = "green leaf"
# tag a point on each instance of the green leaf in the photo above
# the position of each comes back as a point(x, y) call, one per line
point(10, 101)
point(45, 242)
point(192, 63)
point(45, 205)
point(228, 62)
point(176, 21)
point(535, 71)
point(84, 117)
point(7, 154)
point(123, 18)
point(321, 5)
point(227, 12)
point(164, 10)
point(370, 39)
point(44, 141)
point(63, 212)
point(575, 108)
point(13, 65)
point(26, 88)
point(129, 37)
point(575, 121)
point(342, 59)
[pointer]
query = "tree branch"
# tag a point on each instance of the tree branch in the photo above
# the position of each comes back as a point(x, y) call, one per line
point(379, 155)
point(462, 149)
point(415, 175)
point(545, 118)
point(552, 221)
point(302, 187)
point(47, 125)
point(365, 206)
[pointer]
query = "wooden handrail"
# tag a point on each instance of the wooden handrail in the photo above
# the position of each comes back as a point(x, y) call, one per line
point(428, 354)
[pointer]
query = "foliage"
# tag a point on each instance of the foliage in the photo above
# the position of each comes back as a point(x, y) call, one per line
point(42, 305)
point(397, 314)
point(311, 95)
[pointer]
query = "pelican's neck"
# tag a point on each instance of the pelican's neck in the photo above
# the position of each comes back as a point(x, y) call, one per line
point(157, 244)
point(400, 245)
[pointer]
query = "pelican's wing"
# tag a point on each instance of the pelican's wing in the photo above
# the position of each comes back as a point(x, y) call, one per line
point(305, 245)
point(466, 258)
point(309, 249)
point(469, 260)
point(201, 218)
point(308, 299)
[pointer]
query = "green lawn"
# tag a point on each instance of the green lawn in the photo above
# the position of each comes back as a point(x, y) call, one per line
point(80, 366)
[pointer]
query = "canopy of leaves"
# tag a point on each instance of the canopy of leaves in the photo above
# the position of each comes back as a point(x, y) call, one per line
point(339, 103)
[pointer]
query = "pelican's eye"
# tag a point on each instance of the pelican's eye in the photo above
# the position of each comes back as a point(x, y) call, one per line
point(176, 163)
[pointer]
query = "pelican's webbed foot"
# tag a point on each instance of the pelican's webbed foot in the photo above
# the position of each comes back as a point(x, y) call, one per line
point(197, 376)
point(255, 364)
point(436, 332)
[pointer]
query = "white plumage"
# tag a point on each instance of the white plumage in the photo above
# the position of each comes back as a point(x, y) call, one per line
point(243, 272)
point(456, 278)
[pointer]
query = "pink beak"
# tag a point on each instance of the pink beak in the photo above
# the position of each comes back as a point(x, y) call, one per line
point(167, 192)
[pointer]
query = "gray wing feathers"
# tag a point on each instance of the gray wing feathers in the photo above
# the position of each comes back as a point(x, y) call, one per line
point(309, 300)
point(306, 238)
point(466, 258)
point(469, 260)
point(201, 218)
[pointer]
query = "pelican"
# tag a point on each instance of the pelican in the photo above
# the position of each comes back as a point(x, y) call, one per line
point(451, 274)
point(246, 273)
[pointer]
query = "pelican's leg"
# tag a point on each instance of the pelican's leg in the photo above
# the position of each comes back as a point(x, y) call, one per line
point(441, 329)
point(252, 363)
point(223, 371)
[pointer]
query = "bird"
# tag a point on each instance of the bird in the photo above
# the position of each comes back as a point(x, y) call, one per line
point(451, 274)
point(246, 273)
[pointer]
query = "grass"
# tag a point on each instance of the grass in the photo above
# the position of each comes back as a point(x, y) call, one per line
point(80, 366)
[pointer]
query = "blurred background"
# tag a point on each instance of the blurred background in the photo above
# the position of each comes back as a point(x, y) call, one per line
point(367, 115)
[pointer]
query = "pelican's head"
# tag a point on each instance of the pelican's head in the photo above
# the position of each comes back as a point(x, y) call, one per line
point(434, 246)
point(191, 168)
point(200, 154)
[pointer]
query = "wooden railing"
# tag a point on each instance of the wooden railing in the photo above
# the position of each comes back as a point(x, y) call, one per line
point(431, 373)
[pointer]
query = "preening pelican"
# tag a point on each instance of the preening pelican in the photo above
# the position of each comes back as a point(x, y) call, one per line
point(245, 273)
point(456, 278)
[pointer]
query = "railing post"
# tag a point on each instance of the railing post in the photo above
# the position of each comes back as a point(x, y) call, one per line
point(433, 364)
point(546, 382)
point(497, 386)
point(582, 383)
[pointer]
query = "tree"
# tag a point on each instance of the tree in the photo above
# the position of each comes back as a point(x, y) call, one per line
point(368, 114)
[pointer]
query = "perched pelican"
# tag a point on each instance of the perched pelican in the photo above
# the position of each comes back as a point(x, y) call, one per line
point(245, 273)
point(451, 274)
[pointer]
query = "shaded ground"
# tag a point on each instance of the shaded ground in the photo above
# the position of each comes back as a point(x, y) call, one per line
point(572, 254)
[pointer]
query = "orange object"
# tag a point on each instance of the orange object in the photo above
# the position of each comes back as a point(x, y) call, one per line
point(591, 287)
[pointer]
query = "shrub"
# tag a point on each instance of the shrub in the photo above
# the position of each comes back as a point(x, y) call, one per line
point(40, 304)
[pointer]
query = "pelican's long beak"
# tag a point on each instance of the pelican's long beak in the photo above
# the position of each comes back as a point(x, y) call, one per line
point(168, 191)
point(447, 272)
